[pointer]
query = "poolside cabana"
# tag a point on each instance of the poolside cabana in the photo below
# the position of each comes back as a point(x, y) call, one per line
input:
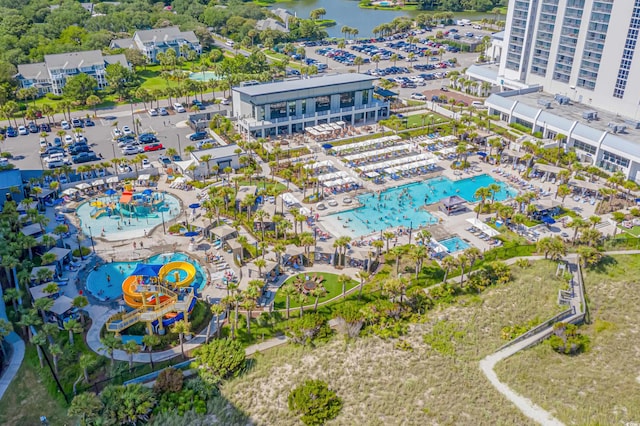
point(546, 208)
point(358, 259)
point(295, 257)
point(33, 230)
point(37, 292)
point(61, 311)
point(236, 249)
point(34, 271)
point(63, 256)
point(452, 204)
point(585, 185)
point(224, 232)
point(548, 169)
point(270, 272)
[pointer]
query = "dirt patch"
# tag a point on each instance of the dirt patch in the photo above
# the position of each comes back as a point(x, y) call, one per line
point(459, 97)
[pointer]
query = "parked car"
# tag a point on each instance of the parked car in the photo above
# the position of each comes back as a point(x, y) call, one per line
point(77, 123)
point(153, 112)
point(11, 132)
point(163, 111)
point(44, 127)
point(131, 150)
point(146, 164)
point(176, 158)
point(33, 128)
point(147, 138)
point(57, 142)
point(65, 125)
point(418, 96)
point(84, 157)
point(22, 130)
point(78, 148)
point(164, 160)
point(116, 133)
point(127, 130)
point(88, 122)
point(198, 136)
point(124, 168)
point(50, 151)
point(153, 147)
point(178, 107)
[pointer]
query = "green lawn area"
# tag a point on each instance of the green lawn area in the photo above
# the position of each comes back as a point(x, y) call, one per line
point(418, 120)
point(28, 398)
point(635, 231)
point(152, 80)
point(331, 284)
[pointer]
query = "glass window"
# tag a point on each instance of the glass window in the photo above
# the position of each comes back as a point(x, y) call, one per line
point(303, 107)
point(347, 99)
point(278, 110)
point(292, 108)
point(323, 103)
point(365, 97)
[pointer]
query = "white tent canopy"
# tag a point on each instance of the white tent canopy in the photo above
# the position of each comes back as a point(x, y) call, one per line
point(396, 162)
point(364, 144)
point(289, 199)
point(113, 179)
point(376, 152)
point(483, 227)
point(333, 176)
point(69, 191)
point(318, 165)
point(83, 185)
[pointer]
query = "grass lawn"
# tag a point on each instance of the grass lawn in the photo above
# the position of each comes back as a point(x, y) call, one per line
point(417, 120)
point(331, 284)
point(635, 231)
point(381, 384)
point(27, 397)
point(601, 385)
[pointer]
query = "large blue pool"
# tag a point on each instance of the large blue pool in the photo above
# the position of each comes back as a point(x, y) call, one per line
point(401, 206)
point(455, 244)
point(99, 286)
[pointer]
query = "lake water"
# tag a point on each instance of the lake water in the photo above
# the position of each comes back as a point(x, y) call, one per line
point(347, 12)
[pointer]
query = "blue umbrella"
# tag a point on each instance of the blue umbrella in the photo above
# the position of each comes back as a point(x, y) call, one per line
point(482, 154)
point(327, 146)
point(147, 192)
point(548, 220)
point(191, 234)
point(194, 206)
point(110, 191)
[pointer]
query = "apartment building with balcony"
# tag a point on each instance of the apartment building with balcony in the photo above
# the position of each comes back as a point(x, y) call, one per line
point(287, 107)
point(160, 40)
point(582, 49)
point(51, 75)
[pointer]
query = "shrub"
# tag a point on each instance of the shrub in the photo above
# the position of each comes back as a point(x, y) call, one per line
point(567, 340)
point(304, 329)
point(315, 402)
point(175, 228)
point(169, 380)
point(53, 97)
point(85, 252)
point(219, 359)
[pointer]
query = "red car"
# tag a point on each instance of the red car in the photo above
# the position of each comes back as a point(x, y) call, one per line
point(153, 147)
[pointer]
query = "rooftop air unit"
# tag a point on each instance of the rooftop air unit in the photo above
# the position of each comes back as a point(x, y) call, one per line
point(590, 115)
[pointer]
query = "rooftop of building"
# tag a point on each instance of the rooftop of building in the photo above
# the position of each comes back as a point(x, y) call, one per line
point(73, 60)
point(165, 34)
point(216, 152)
point(308, 83)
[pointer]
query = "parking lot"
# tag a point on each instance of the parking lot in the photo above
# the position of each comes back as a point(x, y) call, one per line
point(171, 131)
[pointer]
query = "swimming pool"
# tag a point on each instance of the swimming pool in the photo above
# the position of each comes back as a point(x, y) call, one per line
point(455, 244)
point(403, 205)
point(120, 224)
point(99, 285)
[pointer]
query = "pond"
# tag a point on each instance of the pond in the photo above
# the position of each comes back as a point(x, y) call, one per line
point(348, 12)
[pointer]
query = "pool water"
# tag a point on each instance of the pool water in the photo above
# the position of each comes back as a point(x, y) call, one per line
point(455, 244)
point(121, 227)
point(402, 206)
point(100, 287)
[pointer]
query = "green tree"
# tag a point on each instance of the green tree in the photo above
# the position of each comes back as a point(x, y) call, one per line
point(183, 328)
point(126, 404)
point(87, 407)
point(6, 328)
point(79, 87)
point(86, 362)
point(315, 402)
point(72, 326)
point(219, 359)
point(109, 344)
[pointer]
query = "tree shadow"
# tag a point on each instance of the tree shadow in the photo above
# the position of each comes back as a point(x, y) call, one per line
point(605, 263)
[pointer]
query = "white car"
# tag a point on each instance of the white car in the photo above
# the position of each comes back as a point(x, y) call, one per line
point(22, 130)
point(146, 164)
point(116, 133)
point(418, 96)
point(131, 150)
point(68, 139)
point(127, 130)
point(80, 138)
point(124, 168)
point(65, 125)
point(43, 143)
point(178, 107)
point(153, 112)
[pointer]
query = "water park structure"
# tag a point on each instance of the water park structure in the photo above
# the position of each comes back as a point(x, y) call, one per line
point(131, 204)
point(159, 295)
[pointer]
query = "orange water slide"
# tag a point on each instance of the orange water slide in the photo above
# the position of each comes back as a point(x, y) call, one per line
point(132, 297)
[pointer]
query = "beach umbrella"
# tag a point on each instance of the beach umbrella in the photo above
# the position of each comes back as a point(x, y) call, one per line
point(191, 234)
point(110, 191)
point(147, 192)
point(327, 146)
point(548, 220)
point(194, 206)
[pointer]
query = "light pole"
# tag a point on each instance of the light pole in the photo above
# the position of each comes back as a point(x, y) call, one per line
point(93, 247)
point(179, 147)
point(113, 149)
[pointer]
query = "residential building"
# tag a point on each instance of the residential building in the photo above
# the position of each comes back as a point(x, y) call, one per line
point(290, 106)
point(271, 24)
point(561, 44)
point(221, 156)
point(52, 74)
point(159, 40)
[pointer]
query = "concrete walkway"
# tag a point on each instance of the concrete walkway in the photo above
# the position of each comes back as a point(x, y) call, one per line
point(16, 354)
point(525, 405)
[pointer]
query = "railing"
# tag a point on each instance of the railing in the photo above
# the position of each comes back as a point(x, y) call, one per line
point(132, 318)
point(539, 328)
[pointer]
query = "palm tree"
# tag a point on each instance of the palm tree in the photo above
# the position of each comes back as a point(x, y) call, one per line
point(318, 292)
point(13, 295)
point(248, 304)
point(43, 305)
point(260, 263)
point(72, 326)
point(6, 328)
point(594, 220)
point(217, 310)
point(358, 61)
point(363, 276)
point(388, 235)
point(183, 328)
point(302, 299)
point(448, 263)
point(482, 193)
point(39, 340)
point(87, 360)
point(80, 302)
point(577, 224)
point(289, 290)
point(419, 253)
point(109, 344)
point(55, 350)
point(344, 279)
point(131, 348)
